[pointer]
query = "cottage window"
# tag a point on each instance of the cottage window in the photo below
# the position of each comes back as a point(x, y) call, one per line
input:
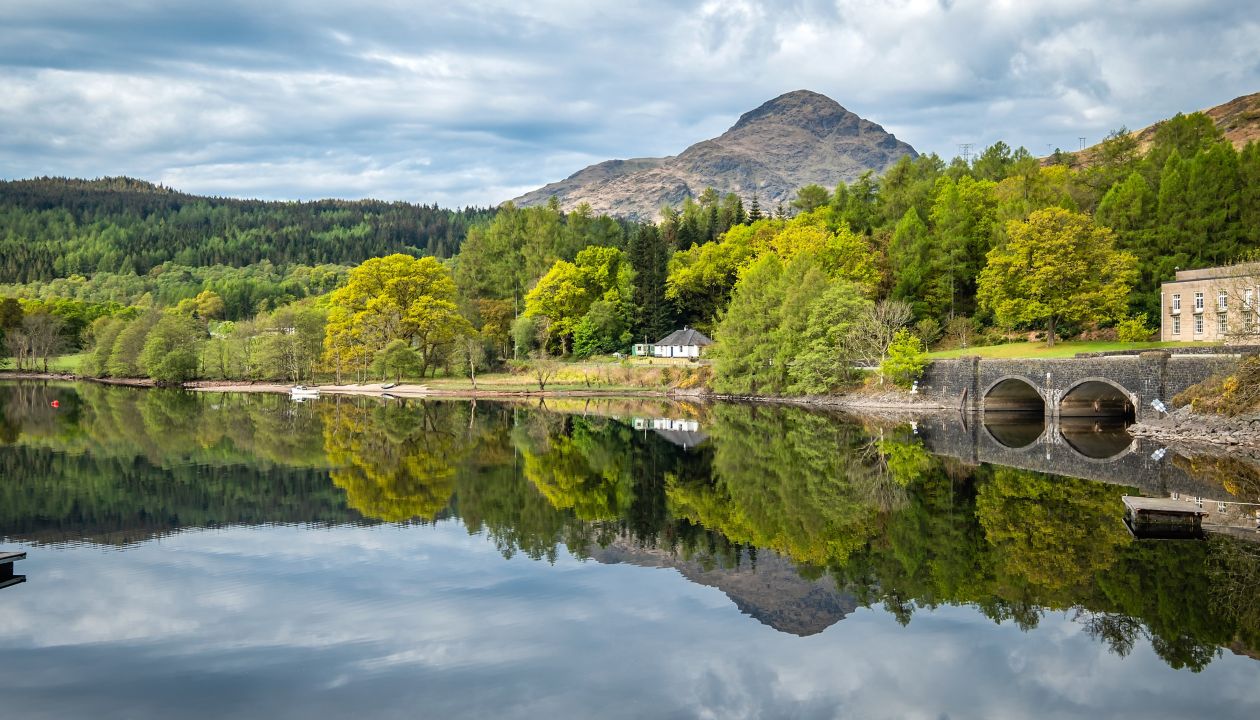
point(1198, 324)
point(1198, 302)
point(1176, 306)
point(1176, 324)
point(1222, 324)
point(1222, 300)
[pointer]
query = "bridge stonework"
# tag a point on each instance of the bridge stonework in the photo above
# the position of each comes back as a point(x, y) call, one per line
point(963, 383)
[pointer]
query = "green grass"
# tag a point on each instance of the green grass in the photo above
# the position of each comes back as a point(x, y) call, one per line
point(1061, 349)
point(67, 363)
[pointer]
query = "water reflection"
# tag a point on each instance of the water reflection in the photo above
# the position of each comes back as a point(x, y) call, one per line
point(1096, 438)
point(799, 518)
point(1015, 430)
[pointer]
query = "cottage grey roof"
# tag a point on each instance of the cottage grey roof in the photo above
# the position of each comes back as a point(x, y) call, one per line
point(686, 336)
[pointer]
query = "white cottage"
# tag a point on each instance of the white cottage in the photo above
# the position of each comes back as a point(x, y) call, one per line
point(685, 343)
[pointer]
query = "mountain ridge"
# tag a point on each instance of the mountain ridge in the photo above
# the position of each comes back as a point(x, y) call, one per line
point(795, 139)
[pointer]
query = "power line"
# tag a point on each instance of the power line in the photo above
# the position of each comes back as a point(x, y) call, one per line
point(964, 149)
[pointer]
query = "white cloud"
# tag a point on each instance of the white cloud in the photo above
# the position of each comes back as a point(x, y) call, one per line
point(473, 102)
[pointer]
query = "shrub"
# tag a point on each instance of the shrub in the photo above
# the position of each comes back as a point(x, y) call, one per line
point(929, 331)
point(1226, 394)
point(906, 359)
point(1133, 329)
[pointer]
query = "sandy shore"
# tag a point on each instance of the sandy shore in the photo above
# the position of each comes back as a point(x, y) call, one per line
point(406, 390)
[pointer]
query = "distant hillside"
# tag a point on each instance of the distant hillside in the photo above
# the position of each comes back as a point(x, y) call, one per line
point(1238, 119)
point(793, 140)
point(56, 227)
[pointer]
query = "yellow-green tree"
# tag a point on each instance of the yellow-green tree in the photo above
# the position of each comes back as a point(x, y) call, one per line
point(397, 297)
point(599, 278)
point(1056, 266)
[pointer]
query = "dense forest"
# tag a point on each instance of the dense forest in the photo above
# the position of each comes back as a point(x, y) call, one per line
point(973, 251)
point(56, 227)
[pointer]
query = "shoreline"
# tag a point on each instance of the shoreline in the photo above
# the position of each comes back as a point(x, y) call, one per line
point(1180, 427)
point(1184, 426)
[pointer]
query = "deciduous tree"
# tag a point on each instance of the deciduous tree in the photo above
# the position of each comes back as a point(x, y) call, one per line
point(1058, 266)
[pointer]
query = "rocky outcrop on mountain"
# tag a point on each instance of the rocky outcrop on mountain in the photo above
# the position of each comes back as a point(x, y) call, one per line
point(796, 139)
point(773, 591)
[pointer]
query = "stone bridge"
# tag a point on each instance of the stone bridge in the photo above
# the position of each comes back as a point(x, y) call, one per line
point(1096, 386)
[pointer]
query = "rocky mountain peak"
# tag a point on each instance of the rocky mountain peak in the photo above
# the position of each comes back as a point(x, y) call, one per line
point(796, 139)
point(804, 109)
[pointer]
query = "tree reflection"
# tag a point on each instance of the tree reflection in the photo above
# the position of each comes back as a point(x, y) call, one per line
point(395, 462)
point(1051, 532)
point(800, 483)
point(865, 504)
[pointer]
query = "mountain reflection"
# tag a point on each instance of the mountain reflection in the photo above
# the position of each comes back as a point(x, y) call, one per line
point(798, 516)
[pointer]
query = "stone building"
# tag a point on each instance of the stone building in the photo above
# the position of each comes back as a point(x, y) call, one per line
point(1212, 304)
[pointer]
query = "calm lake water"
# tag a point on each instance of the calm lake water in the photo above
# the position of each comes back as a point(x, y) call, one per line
point(214, 555)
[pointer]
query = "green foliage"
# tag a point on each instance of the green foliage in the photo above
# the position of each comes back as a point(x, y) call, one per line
point(906, 359)
point(1133, 329)
point(170, 353)
point(786, 329)
point(58, 228)
point(397, 297)
point(124, 356)
point(593, 294)
point(396, 360)
point(810, 198)
point(1056, 266)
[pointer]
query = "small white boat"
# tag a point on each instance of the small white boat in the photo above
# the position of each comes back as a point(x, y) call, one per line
point(301, 392)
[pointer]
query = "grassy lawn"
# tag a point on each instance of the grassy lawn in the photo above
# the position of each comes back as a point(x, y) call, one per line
point(1061, 349)
point(66, 363)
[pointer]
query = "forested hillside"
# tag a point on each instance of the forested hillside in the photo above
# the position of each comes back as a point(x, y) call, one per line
point(864, 274)
point(55, 227)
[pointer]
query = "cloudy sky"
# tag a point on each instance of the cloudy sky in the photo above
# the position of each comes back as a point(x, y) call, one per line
point(477, 101)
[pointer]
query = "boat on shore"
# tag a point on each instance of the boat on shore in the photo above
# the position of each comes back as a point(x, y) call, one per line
point(302, 392)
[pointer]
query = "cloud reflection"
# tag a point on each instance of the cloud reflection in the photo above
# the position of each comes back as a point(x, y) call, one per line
point(393, 621)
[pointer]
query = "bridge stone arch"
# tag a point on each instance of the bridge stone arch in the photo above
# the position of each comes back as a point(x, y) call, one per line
point(1097, 396)
point(1013, 393)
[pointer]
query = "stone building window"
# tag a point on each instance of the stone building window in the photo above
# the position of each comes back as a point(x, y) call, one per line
point(1222, 324)
point(1198, 324)
point(1176, 324)
point(1222, 300)
point(1176, 306)
point(1198, 302)
point(1248, 296)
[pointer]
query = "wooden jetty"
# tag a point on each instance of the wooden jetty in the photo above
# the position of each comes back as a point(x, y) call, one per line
point(1162, 518)
point(7, 577)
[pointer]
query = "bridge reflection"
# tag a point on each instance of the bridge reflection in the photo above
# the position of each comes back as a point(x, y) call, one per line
point(1094, 449)
point(1093, 438)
